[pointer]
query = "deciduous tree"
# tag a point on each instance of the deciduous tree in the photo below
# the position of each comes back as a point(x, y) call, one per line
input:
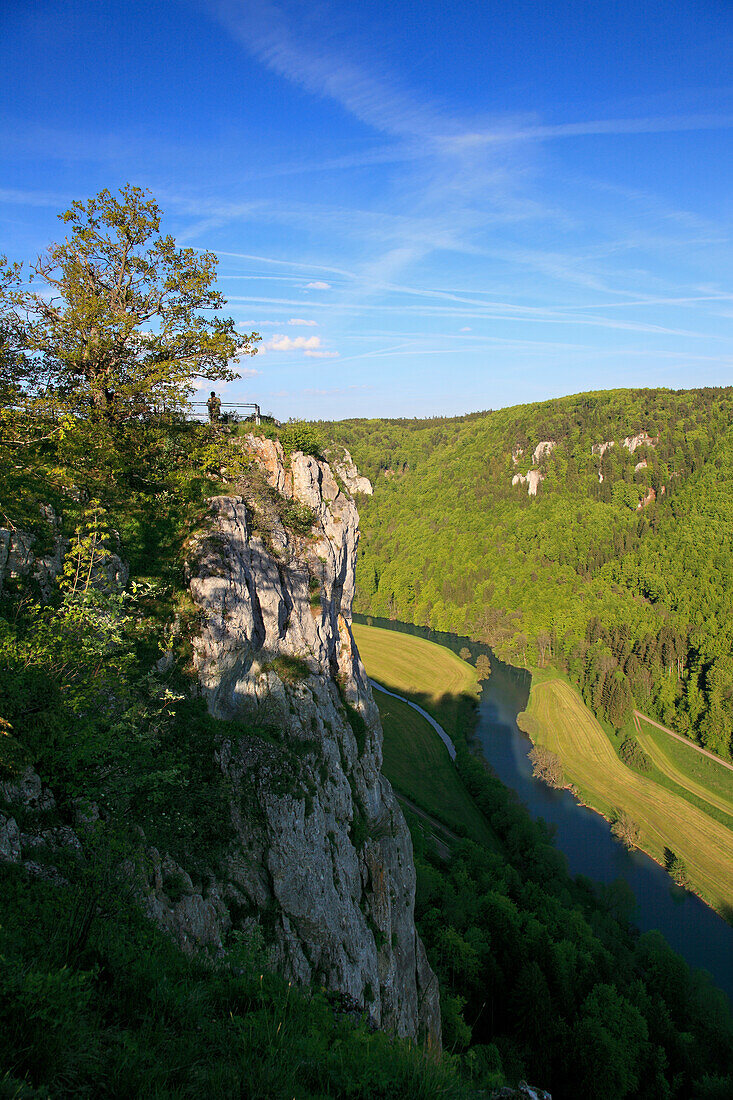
point(123, 320)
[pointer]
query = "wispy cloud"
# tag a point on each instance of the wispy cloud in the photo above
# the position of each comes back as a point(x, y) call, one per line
point(302, 321)
point(318, 285)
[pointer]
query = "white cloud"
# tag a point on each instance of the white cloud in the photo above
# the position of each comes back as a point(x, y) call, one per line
point(288, 343)
point(248, 372)
point(322, 354)
point(318, 286)
point(467, 328)
point(301, 321)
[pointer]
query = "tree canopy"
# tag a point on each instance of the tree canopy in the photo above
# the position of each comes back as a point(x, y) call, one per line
point(123, 321)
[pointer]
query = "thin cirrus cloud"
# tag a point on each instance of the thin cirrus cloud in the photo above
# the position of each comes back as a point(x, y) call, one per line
point(318, 285)
point(302, 321)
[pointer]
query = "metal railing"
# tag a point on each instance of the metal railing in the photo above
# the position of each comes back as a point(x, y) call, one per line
point(232, 405)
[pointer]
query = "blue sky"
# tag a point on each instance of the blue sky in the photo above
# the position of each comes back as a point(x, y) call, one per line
point(423, 208)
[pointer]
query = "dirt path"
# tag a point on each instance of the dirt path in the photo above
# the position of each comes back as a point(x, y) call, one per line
point(443, 849)
point(668, 767)
point(684, 740)
point(567, 727)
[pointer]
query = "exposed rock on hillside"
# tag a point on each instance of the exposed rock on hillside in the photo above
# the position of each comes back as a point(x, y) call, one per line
point(352, 479)
point(21, 559)
point(320, 845)
point(641, 439)
point(543, 450)
point(532, 479)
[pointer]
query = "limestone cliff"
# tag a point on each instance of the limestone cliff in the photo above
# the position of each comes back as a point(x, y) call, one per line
point(320, 851)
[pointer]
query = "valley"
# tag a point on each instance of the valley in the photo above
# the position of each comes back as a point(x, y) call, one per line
point(555, 716)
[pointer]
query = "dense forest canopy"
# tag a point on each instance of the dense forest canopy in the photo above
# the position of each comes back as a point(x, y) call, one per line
point(618, 566)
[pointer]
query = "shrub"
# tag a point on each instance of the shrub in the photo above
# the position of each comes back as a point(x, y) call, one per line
point(546, 765)
point(299, 436)
point(291, 670)
point(634, 756)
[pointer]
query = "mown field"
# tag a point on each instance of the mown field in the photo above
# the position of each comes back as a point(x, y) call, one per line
point(709, 781)
point(416, 761)
point(436, 678)
point(558, 718)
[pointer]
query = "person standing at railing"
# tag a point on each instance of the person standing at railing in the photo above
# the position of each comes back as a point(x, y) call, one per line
point(214, 407)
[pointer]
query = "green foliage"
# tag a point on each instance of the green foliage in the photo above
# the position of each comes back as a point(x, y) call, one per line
point(631, 599)
point(298, 517)
point(544, 979)
point(634, 756)
point(131, 320)
point(133, 1016)
point(301, 436)
point(291, 670)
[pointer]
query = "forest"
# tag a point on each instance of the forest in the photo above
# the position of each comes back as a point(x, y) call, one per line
point(617, 569)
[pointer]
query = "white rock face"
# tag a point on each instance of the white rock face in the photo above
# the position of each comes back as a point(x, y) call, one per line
point(532, 479)
point(641, 465)
point(517, 453)
point(319, 842)
point(352, 479)
point(543, 450)
point(641, 439)
point(601, 448)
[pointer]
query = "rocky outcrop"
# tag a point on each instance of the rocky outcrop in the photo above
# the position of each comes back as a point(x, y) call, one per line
point(523, 1091)
point(346, 469)
point(20, 559)
point(32, 835)
point(320, 854)
point(543, 450)
point(532, 479)
point(641, 439)
point(601, 448)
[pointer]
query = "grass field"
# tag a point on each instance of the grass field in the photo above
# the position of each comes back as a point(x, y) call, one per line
point(699, 774)
point(434, 677)
point(415, 759)
point(558, 718)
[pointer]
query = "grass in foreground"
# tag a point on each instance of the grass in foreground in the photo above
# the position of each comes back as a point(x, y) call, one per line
point(558, 718)
point(416, 761)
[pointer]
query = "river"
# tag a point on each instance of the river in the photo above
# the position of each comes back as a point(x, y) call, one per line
point(703, 938)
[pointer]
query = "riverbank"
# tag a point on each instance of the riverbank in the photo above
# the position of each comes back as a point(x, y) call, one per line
point(557, 718)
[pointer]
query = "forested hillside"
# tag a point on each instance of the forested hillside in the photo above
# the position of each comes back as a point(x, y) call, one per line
point(593, 531)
